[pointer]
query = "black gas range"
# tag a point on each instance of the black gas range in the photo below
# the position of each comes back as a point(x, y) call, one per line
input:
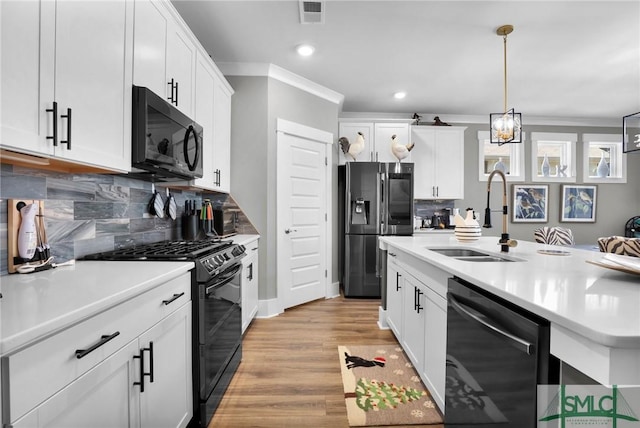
point(216, 311)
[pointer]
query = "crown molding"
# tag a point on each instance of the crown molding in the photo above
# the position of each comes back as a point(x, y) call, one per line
point(484, 119)
point(282, 75)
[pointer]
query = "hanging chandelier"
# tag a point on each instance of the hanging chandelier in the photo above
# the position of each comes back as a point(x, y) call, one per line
point(506, 127)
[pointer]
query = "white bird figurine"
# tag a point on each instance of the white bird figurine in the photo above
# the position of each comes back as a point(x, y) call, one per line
point(400, 151)
point(352, 149)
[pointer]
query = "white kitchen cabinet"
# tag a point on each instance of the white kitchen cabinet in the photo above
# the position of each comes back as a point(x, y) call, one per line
point(166, 400)
point(377, 140)
point(438, 157)
point(435, 345)
point(164, 58)
point(222, 134)
point(101, 397)
point(417, 314)
point(56, 105)
point(204, 105)
point(250, 284)
point(413, 336)
point(95, 370)
point(395, 284)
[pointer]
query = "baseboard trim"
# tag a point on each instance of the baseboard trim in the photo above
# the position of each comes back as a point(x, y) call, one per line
point(268, 308)
point(382, 319)
point(333, 290)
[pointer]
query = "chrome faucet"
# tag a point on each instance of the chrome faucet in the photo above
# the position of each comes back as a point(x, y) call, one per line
point(504, 242)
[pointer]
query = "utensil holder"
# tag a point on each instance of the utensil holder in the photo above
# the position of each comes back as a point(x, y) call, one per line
point(190, 227)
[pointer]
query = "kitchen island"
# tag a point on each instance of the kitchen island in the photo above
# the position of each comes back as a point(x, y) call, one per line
point(594, 312)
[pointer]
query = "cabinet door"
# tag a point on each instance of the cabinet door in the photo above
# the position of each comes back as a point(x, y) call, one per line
point(449, 163)
point(249, 287)
point(27, 50)
point(167, 400)
point(423, 155)
point(103, 397)
point(222, 135)
point(414, 318)
point(383, 134)
point(438, 158)
point(150, 46)
point(435, 346)
point(204, 106)
point(350, 131)
point(97, 88)
point(395, 302)
point(181, 61)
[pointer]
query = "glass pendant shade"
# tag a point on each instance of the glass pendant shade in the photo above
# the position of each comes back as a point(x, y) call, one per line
point(631, 132)
point(506, 127)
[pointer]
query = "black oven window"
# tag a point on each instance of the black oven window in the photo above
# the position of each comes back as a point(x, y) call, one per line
point(399, 203)
point(164, 138)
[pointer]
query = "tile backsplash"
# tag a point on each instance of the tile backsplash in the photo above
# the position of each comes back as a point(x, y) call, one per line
point(426, 208)
point(89, 213)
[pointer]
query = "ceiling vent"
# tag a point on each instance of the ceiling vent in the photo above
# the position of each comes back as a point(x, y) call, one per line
point(311, 12)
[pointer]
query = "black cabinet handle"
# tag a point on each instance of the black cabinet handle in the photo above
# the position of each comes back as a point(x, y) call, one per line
point(250, 274)
point(142, 372)
point(172, 299)
point(176, 101)
point(416, 296)
point(81, 353)
point(150, 349)
point(170, 97)
point(54, 137)
point(398, 281)
point(68, 140)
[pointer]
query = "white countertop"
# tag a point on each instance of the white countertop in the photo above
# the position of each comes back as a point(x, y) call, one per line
point(432, 231)
point(244, 239)
point(38, 304)
point(600, 304)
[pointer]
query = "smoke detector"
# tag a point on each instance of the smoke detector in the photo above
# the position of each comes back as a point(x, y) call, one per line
point(311, 12)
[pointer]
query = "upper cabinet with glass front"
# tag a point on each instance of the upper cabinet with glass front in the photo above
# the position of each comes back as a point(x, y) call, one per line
point(508, 158)
point(553, 157)
point(603, 160)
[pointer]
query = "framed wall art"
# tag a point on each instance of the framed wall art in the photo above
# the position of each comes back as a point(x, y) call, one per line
point(530, 203)
point(578, 203)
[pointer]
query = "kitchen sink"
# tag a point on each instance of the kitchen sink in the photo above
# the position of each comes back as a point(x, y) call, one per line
point(471, 255)
point(459, 252)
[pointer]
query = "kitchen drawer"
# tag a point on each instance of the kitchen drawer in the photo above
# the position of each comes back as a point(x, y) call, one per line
point(39, 371)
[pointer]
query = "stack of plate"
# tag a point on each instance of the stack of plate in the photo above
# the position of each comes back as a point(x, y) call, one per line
point(467, 233)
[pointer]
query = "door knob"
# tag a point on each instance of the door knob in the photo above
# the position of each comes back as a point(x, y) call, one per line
point(287, 231)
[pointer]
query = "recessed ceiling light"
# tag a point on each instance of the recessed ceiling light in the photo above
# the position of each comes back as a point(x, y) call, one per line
point(399, 95)
point(305, 50)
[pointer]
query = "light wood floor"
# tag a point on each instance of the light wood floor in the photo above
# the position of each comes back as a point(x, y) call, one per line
point(290, 372)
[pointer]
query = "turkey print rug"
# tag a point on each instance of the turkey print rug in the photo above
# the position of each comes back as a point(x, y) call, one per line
point(381, 387)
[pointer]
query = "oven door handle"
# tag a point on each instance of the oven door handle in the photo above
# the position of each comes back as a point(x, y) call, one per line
point(225, 280)
point(483, 320)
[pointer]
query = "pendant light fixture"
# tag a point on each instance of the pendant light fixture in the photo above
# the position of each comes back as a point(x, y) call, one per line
point(631, 133)
point(506, 127)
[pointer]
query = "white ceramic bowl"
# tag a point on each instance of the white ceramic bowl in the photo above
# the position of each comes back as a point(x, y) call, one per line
point(467, 233)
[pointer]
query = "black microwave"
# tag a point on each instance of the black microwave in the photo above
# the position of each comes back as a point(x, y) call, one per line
point(165, 143)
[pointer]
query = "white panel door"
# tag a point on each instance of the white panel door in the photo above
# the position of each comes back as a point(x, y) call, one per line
point(302, 218)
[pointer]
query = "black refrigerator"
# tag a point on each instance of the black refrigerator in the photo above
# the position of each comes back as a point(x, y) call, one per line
point(375, 199)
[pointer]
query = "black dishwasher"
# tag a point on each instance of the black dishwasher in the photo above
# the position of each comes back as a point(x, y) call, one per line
point(497, 354)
